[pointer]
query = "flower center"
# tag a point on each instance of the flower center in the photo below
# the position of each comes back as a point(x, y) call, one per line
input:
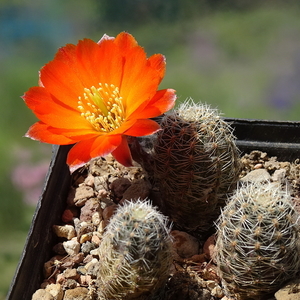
point(102, 107)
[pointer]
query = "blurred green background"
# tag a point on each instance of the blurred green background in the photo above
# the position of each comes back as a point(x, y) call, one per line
point(240, 56)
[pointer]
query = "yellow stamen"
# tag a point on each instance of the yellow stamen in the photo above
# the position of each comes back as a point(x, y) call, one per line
point(102, 107)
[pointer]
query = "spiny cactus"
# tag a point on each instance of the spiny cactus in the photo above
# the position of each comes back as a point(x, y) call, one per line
point(258, 242)
point(135, 253)
point(195, 163)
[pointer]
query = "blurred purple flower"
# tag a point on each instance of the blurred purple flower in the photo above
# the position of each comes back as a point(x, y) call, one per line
point(28, 177)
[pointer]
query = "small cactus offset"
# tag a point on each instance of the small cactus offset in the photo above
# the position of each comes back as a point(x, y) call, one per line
point(135, 254)
point(195, 163)
point(258, 242)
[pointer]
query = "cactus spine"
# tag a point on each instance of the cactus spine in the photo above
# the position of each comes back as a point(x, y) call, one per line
point(258, 246)
point(135, 253)
point(195, 163)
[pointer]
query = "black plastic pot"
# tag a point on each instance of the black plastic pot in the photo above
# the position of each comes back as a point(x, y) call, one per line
point(281, 139)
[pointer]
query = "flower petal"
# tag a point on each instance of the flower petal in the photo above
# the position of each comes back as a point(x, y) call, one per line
point(158, 63)
point(104, 63)
point(162, 101)
point(122, 153)
point(76, 135)
point(141, 76)
point(143, 127)
point(125, 41)
point(60, 78)
point(43, 132)
point(53, 112)
point(85, 150)
point(80, 66)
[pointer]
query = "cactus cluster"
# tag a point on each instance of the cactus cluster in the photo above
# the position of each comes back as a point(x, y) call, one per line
point(135, 254)
point(195, 162)
point(258, 242)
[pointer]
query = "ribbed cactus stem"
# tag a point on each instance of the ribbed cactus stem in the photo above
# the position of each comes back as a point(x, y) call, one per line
point(135, 253)
point(195, 163)
point(258, 242)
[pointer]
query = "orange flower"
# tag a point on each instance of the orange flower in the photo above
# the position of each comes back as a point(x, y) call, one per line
point(93, 95)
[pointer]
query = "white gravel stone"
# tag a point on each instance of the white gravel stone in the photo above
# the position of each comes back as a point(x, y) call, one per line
point(72, 247)
point(96, 218)
point(257, 175)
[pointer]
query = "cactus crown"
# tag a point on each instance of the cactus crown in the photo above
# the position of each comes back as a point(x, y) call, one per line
point(195, 163)
point(135, 253)
point(257, 240)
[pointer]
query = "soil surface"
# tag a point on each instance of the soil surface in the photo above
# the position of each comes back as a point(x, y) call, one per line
point(98, 189)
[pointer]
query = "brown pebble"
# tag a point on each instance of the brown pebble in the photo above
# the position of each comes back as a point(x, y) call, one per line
point(199, 258)
point(60, 278)
point(48, 281)
point(65, 231)
point(48, 268)
point(119, 186)
point(209, 246)
point(70, 284)
point(82, 194)
point(56, 291)
point(71, 274)
point(140, 188)
point(88, 258)
point(186, 245)
point(85, 237)
point(71, 261)
point(96, 240)
point(78, 293)
point(42, 294)
point(90, 180)
point(69, 214)
point(108, 212)
point(59, 249)
point(290, 290)
point(83, 227)
point(90, 207)
point(78, 258)
point(50, 265)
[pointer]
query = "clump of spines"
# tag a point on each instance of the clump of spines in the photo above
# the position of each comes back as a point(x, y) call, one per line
point(135, 253)
point(196, 162)
point(258, 242)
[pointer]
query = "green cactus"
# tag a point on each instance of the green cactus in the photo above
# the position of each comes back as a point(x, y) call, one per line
point(195, 163)
point(135, 253)
point(258, 242)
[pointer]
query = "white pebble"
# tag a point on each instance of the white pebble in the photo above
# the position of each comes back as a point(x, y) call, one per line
point(72, 247)
point(96, 218)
